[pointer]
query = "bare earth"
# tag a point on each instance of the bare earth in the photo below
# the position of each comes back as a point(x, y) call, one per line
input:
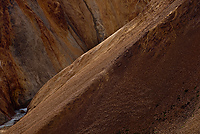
point(144, 78)
point(39, 38)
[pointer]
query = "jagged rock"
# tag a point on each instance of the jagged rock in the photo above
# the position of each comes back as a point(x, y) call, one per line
point(142, 79)
point(39, 38)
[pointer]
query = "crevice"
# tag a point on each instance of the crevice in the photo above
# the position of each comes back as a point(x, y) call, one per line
point(71, 27)
point(95, 22)
point(85, 49)
point(49, 46)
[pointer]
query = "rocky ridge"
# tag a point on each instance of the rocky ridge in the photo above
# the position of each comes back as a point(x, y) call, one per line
point(38, 38)
point(142, 79)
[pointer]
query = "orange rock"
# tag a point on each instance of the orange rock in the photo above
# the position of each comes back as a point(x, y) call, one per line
point(40, 38)
point(142, 79)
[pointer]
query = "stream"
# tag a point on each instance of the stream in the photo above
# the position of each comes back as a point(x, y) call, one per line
point(19, 114)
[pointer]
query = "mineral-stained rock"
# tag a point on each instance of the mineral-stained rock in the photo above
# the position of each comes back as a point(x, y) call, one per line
point(38, 38)
point(142, 79)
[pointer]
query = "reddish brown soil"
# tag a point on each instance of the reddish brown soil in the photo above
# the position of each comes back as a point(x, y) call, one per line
point(142, 79)
point(38, 38)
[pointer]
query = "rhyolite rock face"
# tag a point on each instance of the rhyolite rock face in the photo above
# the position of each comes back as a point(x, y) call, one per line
point(38, 38)
point(144, 78)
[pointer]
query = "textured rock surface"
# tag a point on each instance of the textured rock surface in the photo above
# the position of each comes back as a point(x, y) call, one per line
point(38, 38)
point(142, 79)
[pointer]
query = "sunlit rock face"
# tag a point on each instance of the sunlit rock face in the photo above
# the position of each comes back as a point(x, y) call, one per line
point(38, 38)
point(144, 78)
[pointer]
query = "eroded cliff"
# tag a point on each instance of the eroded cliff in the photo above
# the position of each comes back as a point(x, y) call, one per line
point(142, 79)
point(38, 38)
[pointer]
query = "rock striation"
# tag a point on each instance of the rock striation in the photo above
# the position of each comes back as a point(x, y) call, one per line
point(144, 78)
point(38, 38)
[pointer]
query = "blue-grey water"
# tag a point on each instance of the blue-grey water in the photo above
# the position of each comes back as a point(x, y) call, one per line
point(19, 114)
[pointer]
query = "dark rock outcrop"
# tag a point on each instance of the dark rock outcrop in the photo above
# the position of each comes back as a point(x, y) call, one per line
point(142, 79)
point(38, 38)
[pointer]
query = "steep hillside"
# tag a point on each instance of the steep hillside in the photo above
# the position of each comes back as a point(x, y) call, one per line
point(142, 79)
point(38, 38)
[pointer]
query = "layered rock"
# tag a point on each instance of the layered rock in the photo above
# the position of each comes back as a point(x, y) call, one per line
point(142, 79)
point(40, 38)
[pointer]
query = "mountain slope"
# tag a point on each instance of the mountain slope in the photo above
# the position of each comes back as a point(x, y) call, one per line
point(142, 79)
point(39, 38)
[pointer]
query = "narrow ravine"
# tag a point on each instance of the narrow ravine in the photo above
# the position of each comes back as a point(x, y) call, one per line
point(19, 114)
